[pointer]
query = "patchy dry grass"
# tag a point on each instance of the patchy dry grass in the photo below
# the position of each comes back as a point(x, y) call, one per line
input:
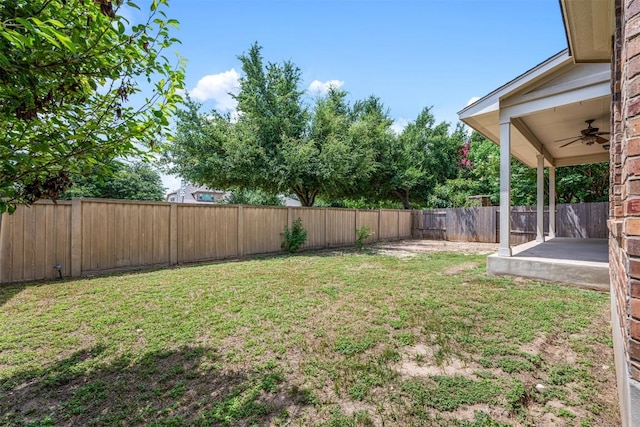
point(334, 339)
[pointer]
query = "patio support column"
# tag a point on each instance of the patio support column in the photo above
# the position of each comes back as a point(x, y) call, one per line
point(540, 200)
point(552, 202)
point(505, 188)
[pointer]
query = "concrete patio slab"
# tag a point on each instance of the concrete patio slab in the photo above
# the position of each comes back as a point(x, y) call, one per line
point(583, 262)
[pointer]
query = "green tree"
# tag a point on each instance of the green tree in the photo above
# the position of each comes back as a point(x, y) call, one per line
point(277, 145)
point(253, 197)
point(413, 164)
point(574, 184)
point(68, 70)
point(136, 181)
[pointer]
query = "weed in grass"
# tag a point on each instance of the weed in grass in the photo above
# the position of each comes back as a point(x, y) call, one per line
point(406, 338)
point(350, 346)
point(482, 419)
point(451, 392)
point(516, 396)
point(169, 422)
point(389, 354)
point(243, 403)
point(90, 394)
point(485, 375)
point(397, 323)
point(512, 365)
point(586, 422)
point(549, 393)
point(303, 395)
point(339, 419)
point(45, 422)
point(562, 412)
point(564, 373)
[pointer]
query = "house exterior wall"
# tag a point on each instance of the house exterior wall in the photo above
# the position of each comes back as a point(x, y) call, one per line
point(624, 222)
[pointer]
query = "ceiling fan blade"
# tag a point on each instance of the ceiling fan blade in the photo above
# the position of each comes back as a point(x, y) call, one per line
point(600, 140)
point(569, 143)
point(571, 137)
point(602, 133)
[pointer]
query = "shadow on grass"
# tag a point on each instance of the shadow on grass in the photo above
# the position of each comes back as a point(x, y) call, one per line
point(176, 388)
point(9, 291)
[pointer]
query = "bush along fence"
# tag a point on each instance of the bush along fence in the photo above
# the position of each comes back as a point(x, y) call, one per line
point(482, 224)
point(90, 236)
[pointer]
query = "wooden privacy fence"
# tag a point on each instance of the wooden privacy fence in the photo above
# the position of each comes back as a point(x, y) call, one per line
point(482, 224)
point(88, 236)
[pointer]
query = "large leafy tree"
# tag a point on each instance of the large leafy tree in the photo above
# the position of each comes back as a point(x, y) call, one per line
point(137, 181)
point(277, 144)
point(68, 70)
point(411, 166)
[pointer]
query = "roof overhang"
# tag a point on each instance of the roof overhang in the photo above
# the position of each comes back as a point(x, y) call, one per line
point(545, 105)
point(589, 25)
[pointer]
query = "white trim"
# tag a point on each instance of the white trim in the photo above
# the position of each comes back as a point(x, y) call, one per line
point(540, 199)
point(599, 90)
point(487, 101)
point(505, 190)
point(552, 202)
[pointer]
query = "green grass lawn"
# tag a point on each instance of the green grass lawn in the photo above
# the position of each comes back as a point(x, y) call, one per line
point(333, 338)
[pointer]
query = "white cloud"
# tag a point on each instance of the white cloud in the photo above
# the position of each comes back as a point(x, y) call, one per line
point(218, 87)
point(472, 100)
point(398, 125)
point(321, 88)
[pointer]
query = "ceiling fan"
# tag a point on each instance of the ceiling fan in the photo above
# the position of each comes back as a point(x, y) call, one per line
point(588, 136)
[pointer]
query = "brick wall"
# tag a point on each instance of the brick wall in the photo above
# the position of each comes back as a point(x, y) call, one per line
point(624, 223)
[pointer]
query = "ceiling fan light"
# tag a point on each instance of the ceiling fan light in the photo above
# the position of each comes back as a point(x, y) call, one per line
point(589, 139)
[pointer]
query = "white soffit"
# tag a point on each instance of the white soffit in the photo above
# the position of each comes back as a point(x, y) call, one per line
point(589, 25)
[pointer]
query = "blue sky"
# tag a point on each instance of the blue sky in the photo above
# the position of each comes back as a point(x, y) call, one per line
point(411, 54)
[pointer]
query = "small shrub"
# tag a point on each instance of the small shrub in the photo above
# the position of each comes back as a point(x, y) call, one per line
point(362, 234)
point(294, 237)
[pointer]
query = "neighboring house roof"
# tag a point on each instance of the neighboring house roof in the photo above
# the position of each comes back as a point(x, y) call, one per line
point(193, 194)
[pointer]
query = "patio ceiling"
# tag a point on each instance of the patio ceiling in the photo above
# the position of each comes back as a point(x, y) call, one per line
point(548, 103)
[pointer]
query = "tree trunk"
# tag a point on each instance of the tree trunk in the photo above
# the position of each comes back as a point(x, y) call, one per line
point(307, 198)
point(403, 195)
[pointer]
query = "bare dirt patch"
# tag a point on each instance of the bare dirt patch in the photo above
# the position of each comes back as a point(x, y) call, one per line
point(409, 248)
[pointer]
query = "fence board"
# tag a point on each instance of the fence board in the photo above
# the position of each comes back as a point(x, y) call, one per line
point(263, 228)
point(313, 220)
point(405, 224)
point(370, 219)
point(33, 240)
point(342, 226)
point(389, 224)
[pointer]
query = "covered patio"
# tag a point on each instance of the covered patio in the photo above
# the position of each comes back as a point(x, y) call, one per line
point(556, 114)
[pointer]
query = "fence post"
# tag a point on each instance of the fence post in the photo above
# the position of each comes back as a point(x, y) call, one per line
point(173, 234)
point(76, 237)
point(326, 227)
point(240, 233)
